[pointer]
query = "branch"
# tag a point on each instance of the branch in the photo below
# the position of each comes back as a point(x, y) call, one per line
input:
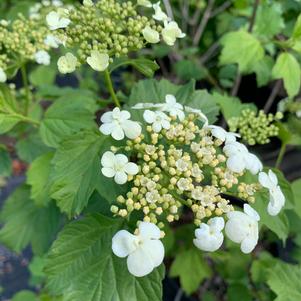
point(203, 23)
point(168, 9)
point(221, 8)
point(272, 96)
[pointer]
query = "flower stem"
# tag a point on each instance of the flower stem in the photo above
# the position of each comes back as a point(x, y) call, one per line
point(109, 84)
point(26, 87)
point(280, 155)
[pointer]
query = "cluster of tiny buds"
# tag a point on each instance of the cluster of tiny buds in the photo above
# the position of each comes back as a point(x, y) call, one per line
point(183, 165)
point(255, 128)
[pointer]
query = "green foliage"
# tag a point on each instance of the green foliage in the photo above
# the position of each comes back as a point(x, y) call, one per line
point(5, 162)
point(284, 280)
point(76, 171)
point(38, 179)
point(191, 267)
point(21, 220)
point(241, 48)
point(296, 188)
point(288, 68)
point(81, 265)
point(66, 117)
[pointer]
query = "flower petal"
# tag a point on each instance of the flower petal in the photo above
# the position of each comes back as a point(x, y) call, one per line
point(155, 251)
point(118, 133)
point(216, 224)
point(131, 168)
point(108, 159)
point(149, 116)
point(148, 231)
point(236, 163)
point(248, 245)
point(108, 172)
point(273, 177)
point(121, 160)
point(139, 263)
point(131, 129)
point(106, 117)
point(120, 177)
point(251, 212)
point(107, 128)
point(124, 243)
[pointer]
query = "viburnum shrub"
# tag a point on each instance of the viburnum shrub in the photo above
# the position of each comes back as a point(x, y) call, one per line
point(120, 182)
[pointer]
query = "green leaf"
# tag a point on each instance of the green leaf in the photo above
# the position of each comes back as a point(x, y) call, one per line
point(204, 101)
point(145, 66)
point(238, 292)
point(7, 122)
point(297, 28)
point(24, 296)
point(263, 70)
point(231, 106)
point(76, 171)
point(42, 75)
point(155, 91)
point(269, 21)
point(5, 162)
point(288, 69)
point(66, 117)
point(31, 147)
point(296, 187)
point(287, 134)
point(284, 280)
point(278, 224)
point(192, 269)
point(81, 265)
point(187, 69)
point(261, 266)
point(38, 179)
point(242, 48)
point(25, 224)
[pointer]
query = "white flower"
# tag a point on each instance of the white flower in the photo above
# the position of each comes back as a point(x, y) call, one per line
point(117, 166)
point(144, 251)
point(145, 3)
point(157, 119)
point(57, 3)
point(152, 196)
point(159, 14)
point(147, 105)
point(56, 21)
point(198, 112)
point(151, 35)
point(171, 32)
point(242, 228)
point(239, 158)
point(277, 199)
point(183, 184)
point(88, 3)
point(117, 124)
point(42, 57)
point(209, 237)
point(67, 63)
point(174, 108)
point(3, 77)
point(221, 134)
point(298, 114)
point(46, 2)
point(52, 41)
point(98, 61)
point(4, 23)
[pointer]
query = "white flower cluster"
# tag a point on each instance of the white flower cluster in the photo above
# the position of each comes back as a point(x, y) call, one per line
point(185, 172)
point(170, 32)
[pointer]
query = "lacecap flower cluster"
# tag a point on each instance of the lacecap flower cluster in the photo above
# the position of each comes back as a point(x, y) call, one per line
point(96, 33)
point(27, 38)
point(175, 159)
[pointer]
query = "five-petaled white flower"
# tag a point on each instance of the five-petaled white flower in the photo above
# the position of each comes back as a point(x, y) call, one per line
point(55, 20)
point(240, 159)
point(117, 124)
point(171, 32)
point(145, 3)
point(98, 61)
point(277, 199)
point(52, 41)
point(157, 119)
point(174, 108)
point(242, 228)
point(117, 166)
point(221, 134)
point(151, 35)
point(159, 14)
point(144, 251)
point(42, 57)
point(209, 237)
point(67, 63)
point(3, 77)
